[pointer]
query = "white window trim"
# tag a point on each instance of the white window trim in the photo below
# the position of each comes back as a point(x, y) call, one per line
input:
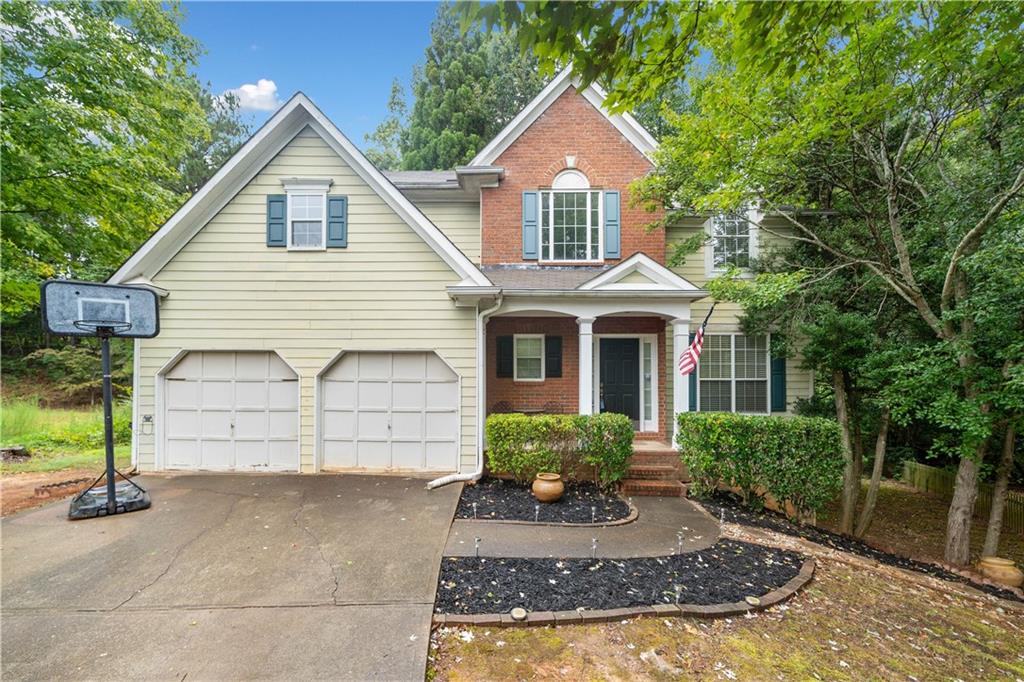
point(732, 380)
point(754, 217)
point(548, 257)
point(306, 186)
point(515, 357)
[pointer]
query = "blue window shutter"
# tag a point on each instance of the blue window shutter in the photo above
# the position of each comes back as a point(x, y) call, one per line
point(779, 384)
point(276, 210)
point(530, 232)
point(612, 239)
point(693, 383)
point(337, 222)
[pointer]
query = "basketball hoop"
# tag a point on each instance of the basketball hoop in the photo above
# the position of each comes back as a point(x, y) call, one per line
point(102, 327)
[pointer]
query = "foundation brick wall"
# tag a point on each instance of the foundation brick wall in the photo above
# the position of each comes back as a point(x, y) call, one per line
point(561, 395)
point(570, 126)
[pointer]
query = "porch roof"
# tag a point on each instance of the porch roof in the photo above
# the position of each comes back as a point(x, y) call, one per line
point(533, 277)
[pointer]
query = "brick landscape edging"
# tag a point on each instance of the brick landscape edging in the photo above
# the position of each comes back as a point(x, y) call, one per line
point(774, 597)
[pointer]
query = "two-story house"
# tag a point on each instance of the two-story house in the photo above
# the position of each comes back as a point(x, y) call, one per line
point(318, 314)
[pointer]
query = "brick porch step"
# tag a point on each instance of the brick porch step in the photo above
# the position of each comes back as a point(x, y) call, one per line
point(633, 486)
point(653, 471)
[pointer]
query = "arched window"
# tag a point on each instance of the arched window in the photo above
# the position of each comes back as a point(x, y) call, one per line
point(570, 220)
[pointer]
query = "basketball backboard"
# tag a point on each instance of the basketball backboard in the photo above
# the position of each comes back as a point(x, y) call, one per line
point(72, 308)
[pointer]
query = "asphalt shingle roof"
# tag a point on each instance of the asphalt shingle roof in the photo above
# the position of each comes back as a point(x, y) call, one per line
point(549, 277)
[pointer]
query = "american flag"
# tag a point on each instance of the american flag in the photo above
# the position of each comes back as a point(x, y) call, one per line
point(688, 360)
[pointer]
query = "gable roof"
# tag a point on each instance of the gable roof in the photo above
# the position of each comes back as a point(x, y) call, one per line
point(654, 277)
point(624, 123)
point(293, 116)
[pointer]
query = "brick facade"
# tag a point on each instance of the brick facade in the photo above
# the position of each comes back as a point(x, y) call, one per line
point(570, 126)
point(561, 395)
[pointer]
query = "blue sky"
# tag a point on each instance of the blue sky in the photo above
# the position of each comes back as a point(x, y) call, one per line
point(343, 55)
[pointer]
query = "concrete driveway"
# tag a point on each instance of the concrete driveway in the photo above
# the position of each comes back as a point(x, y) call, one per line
point(229, 577)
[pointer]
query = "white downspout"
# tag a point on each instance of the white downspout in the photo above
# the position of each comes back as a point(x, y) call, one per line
point(481, 401)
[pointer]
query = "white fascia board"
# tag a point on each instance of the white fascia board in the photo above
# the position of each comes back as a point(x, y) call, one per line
point(645, 265)
point(624, 123)
point(253, 156)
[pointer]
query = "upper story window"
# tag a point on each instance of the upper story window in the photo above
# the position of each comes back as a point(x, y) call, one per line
point(570, 220)
point(733, 241)
point(307, 213)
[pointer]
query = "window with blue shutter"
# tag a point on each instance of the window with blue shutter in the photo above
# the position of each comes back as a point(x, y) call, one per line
point(337, 222)
point(277, 205)
point(612, 230)
point(530, 233)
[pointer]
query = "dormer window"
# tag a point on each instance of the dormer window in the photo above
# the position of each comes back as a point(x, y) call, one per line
point(570, 220)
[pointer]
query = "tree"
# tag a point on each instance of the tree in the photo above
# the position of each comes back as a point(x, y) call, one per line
point(98, 107)
point(386, 139)
point(209, 148)
point(469, 86)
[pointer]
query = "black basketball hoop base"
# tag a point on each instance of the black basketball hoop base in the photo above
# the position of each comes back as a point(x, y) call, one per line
point(92, 502)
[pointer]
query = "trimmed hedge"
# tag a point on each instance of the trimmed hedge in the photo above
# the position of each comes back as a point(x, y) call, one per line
point(524, 445)
point(795, 459)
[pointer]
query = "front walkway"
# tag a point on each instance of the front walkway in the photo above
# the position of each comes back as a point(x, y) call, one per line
point(229, 577)
point(654, 533)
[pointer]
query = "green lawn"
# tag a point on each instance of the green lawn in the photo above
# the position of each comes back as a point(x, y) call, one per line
point(61, 438)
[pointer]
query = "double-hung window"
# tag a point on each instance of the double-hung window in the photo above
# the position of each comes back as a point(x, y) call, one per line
point(732, 241)
point(733, 374)
point(307, 227)
point(570, 220)
point(528, 356)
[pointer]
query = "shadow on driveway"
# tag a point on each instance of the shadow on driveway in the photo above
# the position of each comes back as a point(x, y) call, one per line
point(229, 577)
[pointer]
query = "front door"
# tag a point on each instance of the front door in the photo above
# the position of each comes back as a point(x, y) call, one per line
point(620, 377)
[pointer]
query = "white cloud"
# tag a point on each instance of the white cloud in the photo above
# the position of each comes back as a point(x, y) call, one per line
point(259, 97)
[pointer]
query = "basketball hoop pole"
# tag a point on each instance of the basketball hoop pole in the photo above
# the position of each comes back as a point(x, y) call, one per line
point(108, 417)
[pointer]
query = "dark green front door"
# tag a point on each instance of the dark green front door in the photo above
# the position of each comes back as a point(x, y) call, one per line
point(620, 377)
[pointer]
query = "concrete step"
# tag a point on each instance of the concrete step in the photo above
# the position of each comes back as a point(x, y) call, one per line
point(633, 486)
point(653, 471)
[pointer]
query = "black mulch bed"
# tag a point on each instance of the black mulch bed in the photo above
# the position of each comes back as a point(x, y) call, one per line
point(735, 512)
point(497, 499)
point(727, 572)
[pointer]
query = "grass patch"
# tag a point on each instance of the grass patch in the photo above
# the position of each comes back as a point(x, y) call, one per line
point(61, 438)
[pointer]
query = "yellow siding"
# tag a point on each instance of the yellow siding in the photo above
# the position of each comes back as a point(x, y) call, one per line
point(799, 381)
point(460, 222)
point(386, 291)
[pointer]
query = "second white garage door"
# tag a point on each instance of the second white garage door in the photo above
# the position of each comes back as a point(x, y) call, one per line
point(390, 411)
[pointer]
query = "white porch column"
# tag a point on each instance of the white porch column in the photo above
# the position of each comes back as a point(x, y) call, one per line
point(586, 369)
point(680, 383)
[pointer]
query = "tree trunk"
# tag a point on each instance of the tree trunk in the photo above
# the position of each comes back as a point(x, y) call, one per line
point(868, 511)
point(995, 517)
point(851, 484)
point(961, 509)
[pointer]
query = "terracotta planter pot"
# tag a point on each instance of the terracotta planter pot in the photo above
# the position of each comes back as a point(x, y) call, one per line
point(1000, 570)
point(548, 487)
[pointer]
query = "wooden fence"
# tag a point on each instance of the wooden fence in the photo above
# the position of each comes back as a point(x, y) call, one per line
point(940, 481)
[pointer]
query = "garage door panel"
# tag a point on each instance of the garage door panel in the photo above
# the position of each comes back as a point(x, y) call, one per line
point(231, 410)
point(440, 455)
point(372, 395)
point(183, 423)
point(407, 425)
point(217, 394)
point(407, 455)
point(408, 395)
point(390, 411)
point(251, 394)
point(340, 394)
point(182, 394)
point(339, 424)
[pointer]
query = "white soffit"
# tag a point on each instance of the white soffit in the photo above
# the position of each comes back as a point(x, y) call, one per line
point(240, 169)
point(624, 123)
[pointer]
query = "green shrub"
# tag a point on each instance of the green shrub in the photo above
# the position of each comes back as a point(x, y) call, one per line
point(523, 445)
point(798, 459)
point(606, 443)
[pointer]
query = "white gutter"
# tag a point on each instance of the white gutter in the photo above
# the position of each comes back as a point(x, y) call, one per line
point(481, 400)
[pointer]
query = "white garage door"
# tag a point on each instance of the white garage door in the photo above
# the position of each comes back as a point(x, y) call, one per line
point(390, 411)
point(232, 411)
